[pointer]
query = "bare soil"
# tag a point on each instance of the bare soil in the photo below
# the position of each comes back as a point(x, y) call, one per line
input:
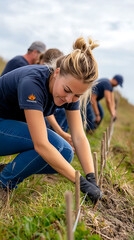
point(114, 217)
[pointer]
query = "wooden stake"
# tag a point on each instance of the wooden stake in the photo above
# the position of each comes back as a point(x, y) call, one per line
point(77, 193)
point(95, 166)
point(105, 155)
point(68, 196)
point(109, 132)
point(102, 162)
point(111, 123)
point(107, 138)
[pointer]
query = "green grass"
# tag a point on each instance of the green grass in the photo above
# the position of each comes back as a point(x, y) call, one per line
point(37, 207)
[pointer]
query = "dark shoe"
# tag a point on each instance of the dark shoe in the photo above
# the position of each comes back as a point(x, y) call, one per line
point(2, 165)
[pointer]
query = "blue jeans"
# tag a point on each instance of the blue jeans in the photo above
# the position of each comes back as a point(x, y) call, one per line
point(15, 138)
point(91, 125)
point(60, 118)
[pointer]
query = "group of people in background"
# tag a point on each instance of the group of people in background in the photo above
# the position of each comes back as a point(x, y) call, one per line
point(43, 94)
point(37, 54)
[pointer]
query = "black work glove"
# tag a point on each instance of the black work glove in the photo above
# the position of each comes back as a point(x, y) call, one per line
point(93, 192)
point(114, 119)
point(91, 178)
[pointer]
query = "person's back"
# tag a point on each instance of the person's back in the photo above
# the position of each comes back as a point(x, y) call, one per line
point(102, 89)
point(31, 57)
point(16, 62)
point(102, 85)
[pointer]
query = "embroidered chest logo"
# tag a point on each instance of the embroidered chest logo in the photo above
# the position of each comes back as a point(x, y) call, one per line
point(31, 98)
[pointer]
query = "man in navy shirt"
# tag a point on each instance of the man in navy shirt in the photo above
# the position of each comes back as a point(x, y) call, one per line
point(31, 57)
point(102, 89)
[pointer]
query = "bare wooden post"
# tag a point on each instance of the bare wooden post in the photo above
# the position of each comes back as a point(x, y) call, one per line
point(68, 196)
point(95, 166)
point(107, 138)
point(102, 162)
point(110, 127)
point(77, 193)
point(105, 156)
point(101, 170)
point(109, 133)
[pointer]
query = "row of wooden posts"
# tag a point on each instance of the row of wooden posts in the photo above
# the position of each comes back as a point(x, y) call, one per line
point(105, 143)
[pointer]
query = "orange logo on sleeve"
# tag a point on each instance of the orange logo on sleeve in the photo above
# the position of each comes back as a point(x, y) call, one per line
point(31, 97)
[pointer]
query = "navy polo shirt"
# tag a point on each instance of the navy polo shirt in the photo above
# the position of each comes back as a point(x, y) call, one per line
point(102, 85)
point(27, 88)
point(16, 62)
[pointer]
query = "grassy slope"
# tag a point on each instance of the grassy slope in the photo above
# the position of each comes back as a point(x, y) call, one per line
point(36, 210)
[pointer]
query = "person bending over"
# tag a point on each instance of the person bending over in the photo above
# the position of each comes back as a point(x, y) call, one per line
point(102, 89)
point(27, 95)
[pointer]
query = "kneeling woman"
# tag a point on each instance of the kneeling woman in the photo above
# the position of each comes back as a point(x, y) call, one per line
point(27, 95)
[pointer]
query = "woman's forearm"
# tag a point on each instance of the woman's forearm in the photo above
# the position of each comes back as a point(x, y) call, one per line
point(53, 157)
point(110, 108)
point(95, 108)
point(44, 148)
point(52, 121)
point(83, 151)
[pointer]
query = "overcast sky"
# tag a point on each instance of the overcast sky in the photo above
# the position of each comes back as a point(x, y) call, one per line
point(58, 23)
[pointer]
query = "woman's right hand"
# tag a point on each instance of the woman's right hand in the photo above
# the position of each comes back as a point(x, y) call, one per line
point(94, 192)
point(114, 117)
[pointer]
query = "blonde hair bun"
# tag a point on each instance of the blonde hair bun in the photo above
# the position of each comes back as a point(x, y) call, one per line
point(83, 46)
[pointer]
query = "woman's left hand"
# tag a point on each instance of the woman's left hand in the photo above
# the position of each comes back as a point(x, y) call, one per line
point(97, 119)
point(68, 138)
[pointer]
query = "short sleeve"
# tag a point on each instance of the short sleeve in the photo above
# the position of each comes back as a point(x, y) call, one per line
point(107, 86)
point(30, 94)
point(100, 87)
